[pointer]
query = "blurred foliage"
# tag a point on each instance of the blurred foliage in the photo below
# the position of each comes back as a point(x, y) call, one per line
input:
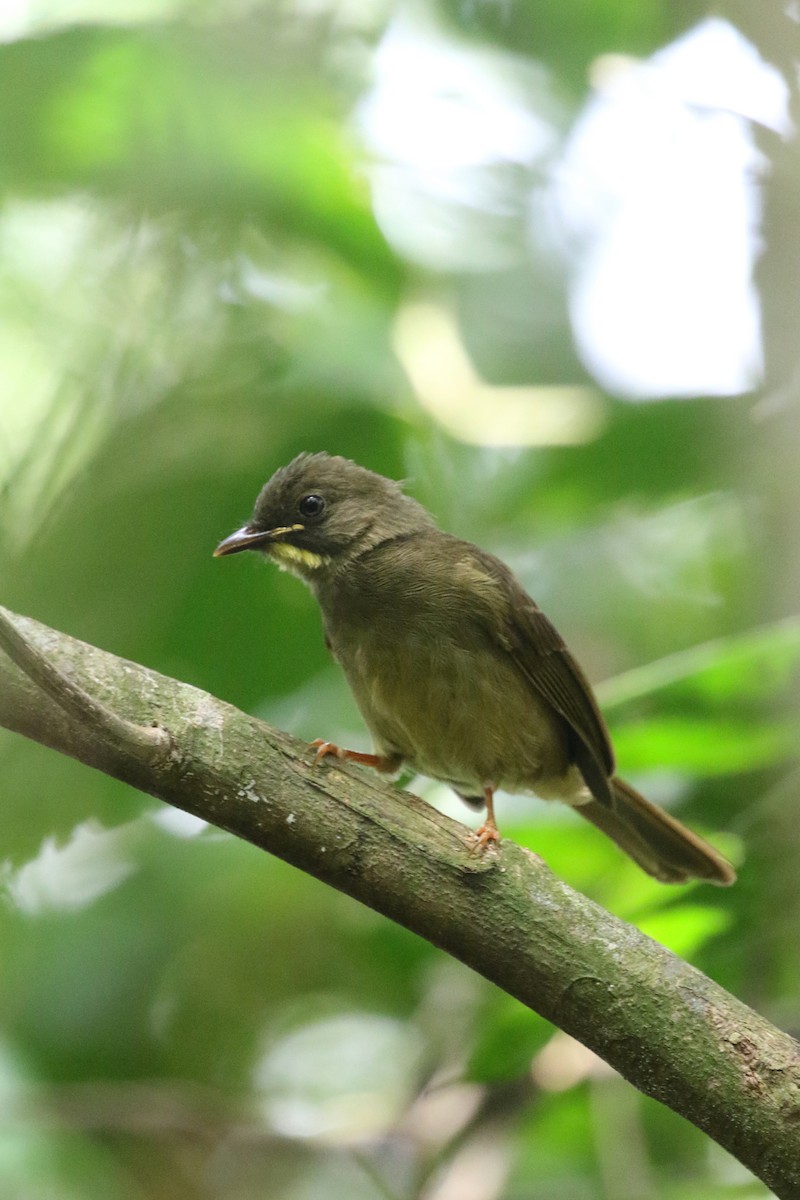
point(217, 219)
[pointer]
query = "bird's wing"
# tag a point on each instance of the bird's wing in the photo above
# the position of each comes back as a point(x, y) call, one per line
point(515, 622)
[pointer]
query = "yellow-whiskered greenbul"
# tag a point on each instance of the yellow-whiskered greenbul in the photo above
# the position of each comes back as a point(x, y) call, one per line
point(457, 672)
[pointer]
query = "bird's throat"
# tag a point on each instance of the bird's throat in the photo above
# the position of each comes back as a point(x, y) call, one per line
point(293, 557)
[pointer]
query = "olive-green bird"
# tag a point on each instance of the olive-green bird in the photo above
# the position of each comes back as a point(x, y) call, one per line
point(457, 672)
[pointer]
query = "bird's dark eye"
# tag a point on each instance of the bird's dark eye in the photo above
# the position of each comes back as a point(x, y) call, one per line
point(311, 506)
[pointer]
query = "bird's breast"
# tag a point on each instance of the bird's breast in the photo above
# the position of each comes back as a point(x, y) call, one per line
point(452, 703)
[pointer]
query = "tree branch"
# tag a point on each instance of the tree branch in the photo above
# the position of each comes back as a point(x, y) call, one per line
point(149, 742)
point(667, 1028)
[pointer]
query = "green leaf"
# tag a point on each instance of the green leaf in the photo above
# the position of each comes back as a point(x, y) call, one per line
point(170, 118)
point(685, 928)
point(749, 666)
point(508, 1040)
point(704, 745)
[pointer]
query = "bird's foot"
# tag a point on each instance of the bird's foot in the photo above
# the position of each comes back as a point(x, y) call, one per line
point(329, 749)
point(482, 837)
point(488, 831)
point(324, 749)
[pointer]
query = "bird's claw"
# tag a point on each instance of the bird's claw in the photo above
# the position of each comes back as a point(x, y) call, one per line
point(483, 836)
point(324, 749)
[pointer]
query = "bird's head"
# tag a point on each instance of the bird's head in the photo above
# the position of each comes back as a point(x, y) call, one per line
point(321, 510)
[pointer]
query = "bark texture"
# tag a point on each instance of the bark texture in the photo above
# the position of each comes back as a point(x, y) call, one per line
point(664, 1026)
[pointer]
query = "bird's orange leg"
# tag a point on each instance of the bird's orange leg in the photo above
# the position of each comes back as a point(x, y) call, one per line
point(380, 762)
point(488, 831)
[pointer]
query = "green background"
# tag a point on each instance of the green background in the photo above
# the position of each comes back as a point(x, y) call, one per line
point(193, 288)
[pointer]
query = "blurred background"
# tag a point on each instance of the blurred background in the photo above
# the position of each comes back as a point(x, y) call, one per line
point(541, 261)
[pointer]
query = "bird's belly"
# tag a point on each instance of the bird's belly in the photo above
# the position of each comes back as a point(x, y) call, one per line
point(466, 718)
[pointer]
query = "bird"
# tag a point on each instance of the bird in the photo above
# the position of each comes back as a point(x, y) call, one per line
point(457, 672)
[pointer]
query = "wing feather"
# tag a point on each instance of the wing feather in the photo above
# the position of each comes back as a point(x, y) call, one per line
point(541, 655)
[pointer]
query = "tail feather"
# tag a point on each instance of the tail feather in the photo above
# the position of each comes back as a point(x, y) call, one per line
point(662, 846)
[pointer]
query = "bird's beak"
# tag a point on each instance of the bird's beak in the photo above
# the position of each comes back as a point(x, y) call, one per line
point(249, 538)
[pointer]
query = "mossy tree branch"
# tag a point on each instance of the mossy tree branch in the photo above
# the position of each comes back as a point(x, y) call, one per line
point(664, 1026)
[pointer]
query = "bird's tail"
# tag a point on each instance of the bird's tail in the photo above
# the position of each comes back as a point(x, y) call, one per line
point(660, 845)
